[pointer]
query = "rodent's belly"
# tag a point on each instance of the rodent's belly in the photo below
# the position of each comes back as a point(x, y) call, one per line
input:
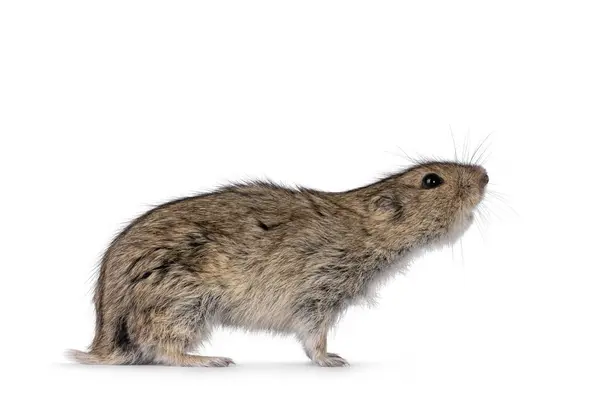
point(283, 298)
point(262, 299)
point(259, 311)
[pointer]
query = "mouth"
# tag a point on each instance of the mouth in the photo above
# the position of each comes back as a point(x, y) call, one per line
point(470, 216)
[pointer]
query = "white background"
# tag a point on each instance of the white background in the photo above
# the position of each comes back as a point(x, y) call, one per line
point(110, 107)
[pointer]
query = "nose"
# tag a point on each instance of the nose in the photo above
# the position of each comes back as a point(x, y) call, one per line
point(483, 181)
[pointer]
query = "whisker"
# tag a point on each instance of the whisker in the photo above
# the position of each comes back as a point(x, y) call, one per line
point(486, 158)
point(478, 224)
point(465, 149)
point(406, 155)
point(507, 207)
point(485, 214)
point(454, 144)
point(484, 154)
point(479, 147)
point(502, 199)
point(481, 215)
point(497, 195)
point(452, 249)
point(490, 211)
point(462, 252)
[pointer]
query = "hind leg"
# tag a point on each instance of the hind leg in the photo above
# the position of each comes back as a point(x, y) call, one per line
point(315, 347)
point(173, 354)
point(166, 336)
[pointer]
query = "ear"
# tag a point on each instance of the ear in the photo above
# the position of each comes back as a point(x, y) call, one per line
point(386, 204)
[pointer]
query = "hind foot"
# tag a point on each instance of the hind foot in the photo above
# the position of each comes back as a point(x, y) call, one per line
point(315, 347)
point(330, 360)
point(187, 360)
point(213, 362)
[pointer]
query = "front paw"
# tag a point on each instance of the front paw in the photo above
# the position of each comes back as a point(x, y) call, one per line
point(330, 360)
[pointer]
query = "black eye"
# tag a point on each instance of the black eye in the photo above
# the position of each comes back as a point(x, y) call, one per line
point(431, 181)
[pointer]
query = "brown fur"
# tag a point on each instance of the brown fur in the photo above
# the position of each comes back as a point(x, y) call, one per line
point(264, 257)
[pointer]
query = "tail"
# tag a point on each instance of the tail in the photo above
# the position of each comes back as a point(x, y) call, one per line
point(96, 353)
point(83, 357)
point(111, 344)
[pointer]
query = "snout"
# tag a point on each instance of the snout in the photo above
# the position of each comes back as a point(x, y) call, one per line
point(480, 176)
point(484, 180)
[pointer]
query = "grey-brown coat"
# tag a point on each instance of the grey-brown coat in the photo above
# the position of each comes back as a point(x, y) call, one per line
point(264, 257)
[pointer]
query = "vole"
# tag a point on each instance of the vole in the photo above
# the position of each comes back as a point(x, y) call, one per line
point(260, 256)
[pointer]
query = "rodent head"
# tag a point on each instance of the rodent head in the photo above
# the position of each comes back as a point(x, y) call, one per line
point(432, 200)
